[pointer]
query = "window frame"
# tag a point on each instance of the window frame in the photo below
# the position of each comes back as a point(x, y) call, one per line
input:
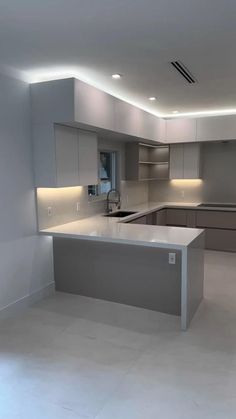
point(114, 176)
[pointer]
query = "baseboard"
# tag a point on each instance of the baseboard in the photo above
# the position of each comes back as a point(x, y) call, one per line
point(24, 302)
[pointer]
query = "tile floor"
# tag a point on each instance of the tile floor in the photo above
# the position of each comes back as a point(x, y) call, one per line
point(71, 357)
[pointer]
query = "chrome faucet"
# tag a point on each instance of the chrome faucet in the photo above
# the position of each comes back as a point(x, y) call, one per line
point(115, 200)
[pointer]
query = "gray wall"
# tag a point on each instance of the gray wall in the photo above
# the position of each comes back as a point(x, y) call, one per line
point(63, 200)
point(25, 258)
point(218, 178)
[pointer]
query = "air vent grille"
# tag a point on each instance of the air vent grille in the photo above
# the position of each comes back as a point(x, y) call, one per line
point(184, 72)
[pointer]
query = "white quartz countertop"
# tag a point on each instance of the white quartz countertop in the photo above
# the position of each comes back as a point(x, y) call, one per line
point(116, 230)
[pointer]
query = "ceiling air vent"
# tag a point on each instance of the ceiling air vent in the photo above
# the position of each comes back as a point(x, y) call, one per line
point(184, 72)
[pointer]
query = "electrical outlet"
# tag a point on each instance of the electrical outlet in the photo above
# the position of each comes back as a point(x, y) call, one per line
point(172, 258)
point(49, 209)
point(78, 206)
point(182, 194)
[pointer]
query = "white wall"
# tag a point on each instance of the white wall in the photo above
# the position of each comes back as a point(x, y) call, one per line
point(25, 258)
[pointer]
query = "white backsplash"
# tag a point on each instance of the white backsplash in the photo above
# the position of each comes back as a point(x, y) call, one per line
point(62, 203)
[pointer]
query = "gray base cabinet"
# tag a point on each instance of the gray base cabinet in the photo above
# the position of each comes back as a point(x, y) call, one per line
point(220, 239)
point(220, 226)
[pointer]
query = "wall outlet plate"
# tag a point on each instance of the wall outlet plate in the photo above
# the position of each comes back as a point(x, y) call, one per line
point(172, 258)
point(77, 206)
point(49, 210)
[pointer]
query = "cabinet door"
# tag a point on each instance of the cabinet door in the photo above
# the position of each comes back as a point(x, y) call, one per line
point(191, 218)
point(127, 118)
point(176, 161)
point(216, 219)
point(93, 106)
point(216, 128)
point(184, 161)
point(181, 130)
point(220, 239)
point(191, 161)
point(176, 217)
point(148, 126)
point(160, 218)
point(66, 154)
point(87, 158)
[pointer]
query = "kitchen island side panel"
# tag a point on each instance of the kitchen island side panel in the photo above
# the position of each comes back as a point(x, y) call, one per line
point(134, 275)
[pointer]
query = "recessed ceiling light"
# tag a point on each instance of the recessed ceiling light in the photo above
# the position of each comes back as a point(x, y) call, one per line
point(116, 76)
point(152, 98)
point(175, 111)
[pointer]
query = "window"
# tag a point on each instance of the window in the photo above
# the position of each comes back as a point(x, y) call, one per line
point(106, 175)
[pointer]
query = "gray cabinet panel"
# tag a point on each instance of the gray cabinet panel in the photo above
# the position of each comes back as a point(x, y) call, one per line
point(220, 239)
point(191, 218)
point(160, 218)
point(176, 217)
point(135, 275)
point(216, 219)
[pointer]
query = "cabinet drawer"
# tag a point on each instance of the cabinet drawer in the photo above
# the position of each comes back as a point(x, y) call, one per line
point(216, 239)
point(176, 217)
point(216, 219)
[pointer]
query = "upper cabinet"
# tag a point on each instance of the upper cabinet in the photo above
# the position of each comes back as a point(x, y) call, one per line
point(147, 162)
point(185, 161)
point(216, 128)
point(64, 156)
point(127, 118)
point(93, 107)
point(180, 130)
point(73, 102)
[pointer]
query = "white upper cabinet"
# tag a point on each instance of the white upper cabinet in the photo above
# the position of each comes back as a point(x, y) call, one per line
point(185, 161)
point(148, 127)
point(64, 156)
point(127, 118)
point(216, 128)
point(93, 107)
point(88, 158)
point(180, 130)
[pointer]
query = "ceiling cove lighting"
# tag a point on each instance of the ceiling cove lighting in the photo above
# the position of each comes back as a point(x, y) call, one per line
point(217, 112)
point(42, 75)
point(116, 76)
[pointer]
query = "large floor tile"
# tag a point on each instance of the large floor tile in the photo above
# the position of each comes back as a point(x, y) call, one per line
point(75, 357)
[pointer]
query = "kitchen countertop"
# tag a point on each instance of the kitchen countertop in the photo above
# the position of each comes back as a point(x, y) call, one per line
point(116, 230)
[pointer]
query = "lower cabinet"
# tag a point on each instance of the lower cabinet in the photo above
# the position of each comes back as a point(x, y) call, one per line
point(159, 218)
point(180, 217)
point(219, 226)
point(220, 239)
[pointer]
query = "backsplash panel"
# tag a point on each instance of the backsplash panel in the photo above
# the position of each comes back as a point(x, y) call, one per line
point(63, 202)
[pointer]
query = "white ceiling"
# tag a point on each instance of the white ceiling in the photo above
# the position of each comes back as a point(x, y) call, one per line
point(92, 39)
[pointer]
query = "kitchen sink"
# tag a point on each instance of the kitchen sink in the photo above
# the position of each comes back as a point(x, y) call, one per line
point(119, 214)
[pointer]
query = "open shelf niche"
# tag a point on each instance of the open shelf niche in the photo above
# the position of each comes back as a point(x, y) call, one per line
point(147, 162)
